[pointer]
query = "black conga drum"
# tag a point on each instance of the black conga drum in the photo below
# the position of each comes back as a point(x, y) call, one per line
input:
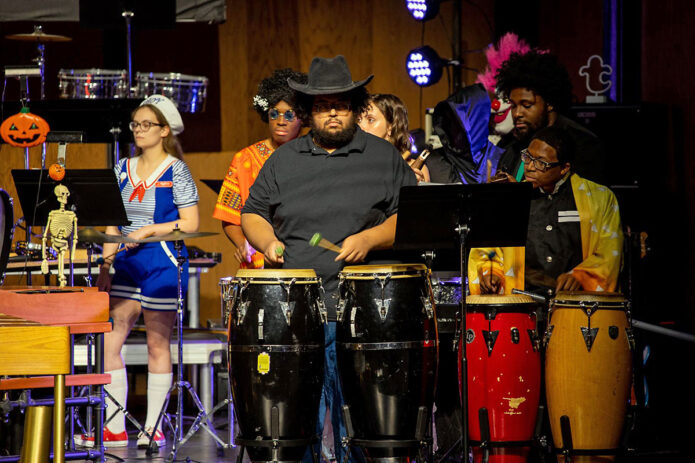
point(276, 355)
point(387, 357)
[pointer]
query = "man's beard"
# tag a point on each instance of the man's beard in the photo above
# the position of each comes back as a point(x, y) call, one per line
point(333, 140)
point(531, 130)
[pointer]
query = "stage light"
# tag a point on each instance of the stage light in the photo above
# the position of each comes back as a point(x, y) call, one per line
point(422, 10)
point(424, 66)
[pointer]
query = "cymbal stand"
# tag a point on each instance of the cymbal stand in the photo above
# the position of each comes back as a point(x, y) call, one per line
point(181, 386)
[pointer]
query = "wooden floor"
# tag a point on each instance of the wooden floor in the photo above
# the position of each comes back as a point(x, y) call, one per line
point(200, 448)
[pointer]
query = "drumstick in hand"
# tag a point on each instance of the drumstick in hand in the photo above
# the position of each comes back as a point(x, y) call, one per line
point(317, 240)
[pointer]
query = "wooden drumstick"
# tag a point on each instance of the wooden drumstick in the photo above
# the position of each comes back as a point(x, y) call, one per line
point(489, 170)
point(317, 240)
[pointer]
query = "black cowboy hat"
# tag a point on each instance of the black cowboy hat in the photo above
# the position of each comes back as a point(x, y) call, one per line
point(328, 76)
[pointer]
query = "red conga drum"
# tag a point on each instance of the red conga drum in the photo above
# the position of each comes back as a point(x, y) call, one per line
point(504, 373)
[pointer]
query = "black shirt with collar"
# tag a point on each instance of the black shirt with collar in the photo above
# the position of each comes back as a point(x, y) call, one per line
point(302, 190)
point(554, 241)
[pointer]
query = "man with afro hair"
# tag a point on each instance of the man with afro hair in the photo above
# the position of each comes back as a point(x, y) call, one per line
point(540, 92)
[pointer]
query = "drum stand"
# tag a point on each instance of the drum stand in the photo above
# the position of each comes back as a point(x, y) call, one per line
point(422, 441)
point(275, 443)
point(181, 386)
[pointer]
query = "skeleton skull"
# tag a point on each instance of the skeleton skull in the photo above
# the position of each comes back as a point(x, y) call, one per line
point(62, 193)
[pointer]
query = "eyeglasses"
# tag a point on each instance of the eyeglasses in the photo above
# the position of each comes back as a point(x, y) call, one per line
point(341, 108)
point(289, 115)
point(537, 163)
point(146, 125)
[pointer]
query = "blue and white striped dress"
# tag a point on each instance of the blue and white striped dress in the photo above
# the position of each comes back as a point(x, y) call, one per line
point(148, 273)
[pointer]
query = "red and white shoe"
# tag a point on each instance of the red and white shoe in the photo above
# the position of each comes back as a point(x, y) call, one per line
point(144, 438)
point(111, 440)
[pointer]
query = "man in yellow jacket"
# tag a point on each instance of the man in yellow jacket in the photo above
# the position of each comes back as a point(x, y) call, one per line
point(575, 239)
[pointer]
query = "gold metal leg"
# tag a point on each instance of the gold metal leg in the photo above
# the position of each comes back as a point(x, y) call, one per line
point(59, 420)
point(37, 435)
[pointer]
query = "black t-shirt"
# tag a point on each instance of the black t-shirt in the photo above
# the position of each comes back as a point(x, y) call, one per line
point(589, 156)
point(302, 190)
point(554, 241)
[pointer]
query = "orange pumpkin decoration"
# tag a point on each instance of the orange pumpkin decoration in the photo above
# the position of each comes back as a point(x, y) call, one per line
point(24, 129)
point(56, 172)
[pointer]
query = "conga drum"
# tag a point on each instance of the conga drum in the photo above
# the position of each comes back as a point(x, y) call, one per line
point(504, 373)
point(588, 369)
point(276, 354)
point(386, 344)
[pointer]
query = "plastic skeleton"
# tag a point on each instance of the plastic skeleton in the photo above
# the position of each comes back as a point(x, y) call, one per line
point(61, 225)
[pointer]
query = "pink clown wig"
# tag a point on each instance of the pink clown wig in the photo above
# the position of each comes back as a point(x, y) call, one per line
point(508, 44)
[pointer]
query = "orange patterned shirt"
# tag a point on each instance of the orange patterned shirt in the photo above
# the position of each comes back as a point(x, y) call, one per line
point(242, 172)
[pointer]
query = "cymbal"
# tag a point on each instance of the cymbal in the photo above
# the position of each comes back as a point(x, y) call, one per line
point(38, 36)
point(176, 235)
point(92, 235)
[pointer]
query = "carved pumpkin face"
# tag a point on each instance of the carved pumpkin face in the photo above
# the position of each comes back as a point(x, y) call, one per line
point(24, 129)
point(56, 172)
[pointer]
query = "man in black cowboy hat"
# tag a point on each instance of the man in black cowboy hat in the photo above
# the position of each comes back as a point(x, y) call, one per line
point(338, 181)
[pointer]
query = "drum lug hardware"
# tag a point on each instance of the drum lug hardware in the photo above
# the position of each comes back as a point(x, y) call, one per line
point(287, 308)
point(260, 324)
point(515, 335)
point(353, 314)
point(548, 334)
point(589, 309)
point(490, 339)
point(490, 314)
point(382, 306)
point(427, 305)
point(322, 311)
point(535, 340)
point(630, 338)
point(241, 312)
point(589, 334)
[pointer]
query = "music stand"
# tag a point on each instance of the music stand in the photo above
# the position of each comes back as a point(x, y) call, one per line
point(438, 218)
point(214, 185)
point(94, 196)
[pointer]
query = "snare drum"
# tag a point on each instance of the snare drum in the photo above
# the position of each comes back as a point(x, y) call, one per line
point(276, 355)
point(189, 92)
point(588, 368)
point(6, 230)
point(504, 372)
point(386, 342)
point(87, 84)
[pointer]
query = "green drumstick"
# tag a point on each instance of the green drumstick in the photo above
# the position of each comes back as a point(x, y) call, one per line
point(279, 251)
point(317, 240)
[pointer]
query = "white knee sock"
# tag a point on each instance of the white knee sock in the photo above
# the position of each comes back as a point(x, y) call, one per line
point(158, 385)
point(119, 390)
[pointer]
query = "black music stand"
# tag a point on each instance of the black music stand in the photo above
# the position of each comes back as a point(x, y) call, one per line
point(94, 196)
point(436, 219)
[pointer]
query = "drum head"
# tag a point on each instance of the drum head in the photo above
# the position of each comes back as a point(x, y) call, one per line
point(580, 299)
point(272, 275)
point(495, 299)
point(367, 272)
point(6, 228)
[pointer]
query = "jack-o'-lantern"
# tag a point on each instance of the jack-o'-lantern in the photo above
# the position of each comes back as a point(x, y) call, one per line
point(56, 172)
point(24, 129)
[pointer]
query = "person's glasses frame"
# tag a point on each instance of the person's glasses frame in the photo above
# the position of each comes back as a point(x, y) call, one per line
point(146, 125)
point(341, 108)
point(539, 164)
point(288, 115)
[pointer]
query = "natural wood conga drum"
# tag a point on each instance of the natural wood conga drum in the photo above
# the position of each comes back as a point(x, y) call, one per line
point(588, 369)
